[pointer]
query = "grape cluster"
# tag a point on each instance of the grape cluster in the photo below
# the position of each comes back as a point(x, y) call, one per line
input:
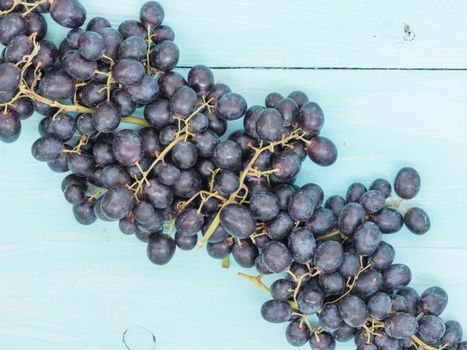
point(172, 179)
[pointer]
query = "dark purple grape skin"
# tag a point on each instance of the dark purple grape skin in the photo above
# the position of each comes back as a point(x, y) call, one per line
point(158, 113)
point(373, 201)
point(93, 94)
point(369, 282)
point(114, 175)
point(245, 253)
point(433, 301)
point(383, 186)
point(91, 45)
point(351, 217)
point(74, 194)
point(47, 148)
point(117, 202)
point(270, 125)
point(189, 222)
point(250, 120)
point(361, 336)
point(238, 220)
point(12, 25)
point(169, 83)
point(279, 227)
point(17, 48)
point(412, 297)
point(168, 174)
point(329, 318)
point(132, 28)
point(47, 55)
point(283, 192)
point(160, 196)
point(151, 14)
point(379, 306)
point(297, 333)
point(102, 154)
point(383, 256)
point(311, 118)
point(97, 23)
point(328, 256)
point(350, 265)
point(282, 289)
point(275, 311)
point(23, 107)
point(355, 192)
point(396, 276)
point(163, 33)
point(353, 311)
point(302, 245)
point(185, 242)
point(189, 182)
point(289, 110)
point(206, 143)
point(336, 203)
point(431, 329)
point(161, 249)
point(219, 250)
point(332, 284)
point(227, 155)
point(389, 220)
point(286, 165)
point(310, 299)
point(417, 221)
point(231, 106)
point(106, 117)
point(264, 205)
point(80, 164)
point(316, 193)
point(165, 56)
point(63, 126)
point(344, 333)
point(226, 182)
point(217, 124)
point(272, 99)
point(219, 234)
point(10, 126)
point(78, 67)
point(453, 334)
point(366, 238)
point(326, 342)
point(60, 165)
point(399, 303)
point(128, 72)
point(68, 13)
point(201, 79)
point(84, 213)
point(322, 151)
point(184, 155)
point(143, 92)
point(133, 47)
point(277, 257)
point(57, 85)
point(301, 206)
point(387, 343)
point(299, 97)
point(113, 40)
point(128, 226)
point(407, 183)
point(323, 221)
point(10, 77)
point(183, 101)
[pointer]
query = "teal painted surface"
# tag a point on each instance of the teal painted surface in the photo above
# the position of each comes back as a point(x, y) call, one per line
point(64, 286)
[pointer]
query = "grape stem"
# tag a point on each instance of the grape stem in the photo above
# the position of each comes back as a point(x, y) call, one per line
point(297, 134)
point(255, 280)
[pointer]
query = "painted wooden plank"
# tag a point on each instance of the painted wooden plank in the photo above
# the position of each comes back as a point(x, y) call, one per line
point(65, 285)
point(304, 33)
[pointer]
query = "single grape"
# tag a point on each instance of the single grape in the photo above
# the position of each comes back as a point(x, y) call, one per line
point(185, 242)
point(84, 213)
point(355, 192)
point(106, 117)
point(163, 33)
point(165, 56)
point(128, 72)
point(279, 227)
point(113, 40)
point(160, 195)
point(184, 155)
point(311, 118)
point(80, 164)
point(302, 245)
point(231, 106)
point(117, 202)
point(277, 257)
point(251, 119)
point(238, 220)
point(297, 333)
point(324, 341)
point(161, 249)
point(383, 256)
point(322, 151)
point(366, 238)
point(47, 55)
point(78, 67)
point(188, 184)
point(407, 183)
point(10, 126)
point(143, 92)
point(336, 203)
point(411, 296)
point(282, 290)
point(17, 48)
point(276, 311)
point(310, 300)
point(396, 276)
point(189, 222)
point(245, 253)
point(169, 83)
point(332, 283)
point(417, 221)
point(91, 45)
point(286, 165)
point(264, 205)
point(344, 333)
point(151, 14)
point(57, 85)
point(97, 23)
point(270, 125)
point(289, 110)
point(132, 28)
point(431, 329)
point(379, 306)
point(301, 206)
point(350, 265)
point(68, 13)
point(328, 256)
point(383, 186)
point(201, 79)
point(299, 97)
point(353, 311)
point(323, 221)
point(373, 201)
point(330, 318)
point(433, 301)
point(47, 148)
point(63, 126)
point(389, 220)
point(369, 282)
point(272, 99)
point(453, 334)
point(219, 250)
point(227, 155)
point(12, 25)
point(350, 218)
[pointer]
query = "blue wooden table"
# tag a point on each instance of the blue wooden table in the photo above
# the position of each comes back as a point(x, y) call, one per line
point(386, 75)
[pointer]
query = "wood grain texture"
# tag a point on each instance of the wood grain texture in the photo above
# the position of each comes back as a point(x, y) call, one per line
point(74, 287)
point(304, 33)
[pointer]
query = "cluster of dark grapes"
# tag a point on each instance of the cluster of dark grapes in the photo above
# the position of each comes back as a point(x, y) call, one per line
point(340, 271)
point(171, 179)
